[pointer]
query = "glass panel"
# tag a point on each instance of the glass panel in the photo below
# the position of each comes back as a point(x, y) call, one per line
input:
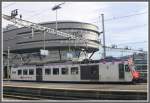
point(56, 71)
point(121, 71)
point(140, 61)
point(127, 68)
point(141, 67)
point(121, 67)
point(144, 67)
point(19, 72)
point(74, 70)
point(64, 71)
point(31, 71)
point(47, 71)
point(25, 72)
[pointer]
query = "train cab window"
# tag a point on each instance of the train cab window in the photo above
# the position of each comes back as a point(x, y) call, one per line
point(47, 71)
point(55, 71)
point(64, 71)
point(25, 72)
point(127, 69)
point(31, 71)
point(74, 70)
point(19, 72)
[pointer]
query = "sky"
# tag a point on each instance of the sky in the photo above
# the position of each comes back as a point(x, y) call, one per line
point(126, 23)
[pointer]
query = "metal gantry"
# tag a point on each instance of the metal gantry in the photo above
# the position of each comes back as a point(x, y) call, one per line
point(35, 26)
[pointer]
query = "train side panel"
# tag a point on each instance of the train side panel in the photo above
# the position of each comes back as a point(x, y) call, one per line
point(108, 72)
point(114, 72)
point(62, 73)
point(94, 72)
point(22, 73)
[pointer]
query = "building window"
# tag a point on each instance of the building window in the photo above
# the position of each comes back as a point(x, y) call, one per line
point(74, 70)
point(64, 71)
point(31, 71)
point(25, 72)
point(19, 72)
point(56, 71)
point(144, 67)
point(47, 71)
point(140, 61)
point(138, 67)
point(141, 67)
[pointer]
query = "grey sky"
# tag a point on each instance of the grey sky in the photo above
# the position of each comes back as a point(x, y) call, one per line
point(131, 27)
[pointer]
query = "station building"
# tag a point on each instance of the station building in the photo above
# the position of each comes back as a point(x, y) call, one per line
point(24, 45)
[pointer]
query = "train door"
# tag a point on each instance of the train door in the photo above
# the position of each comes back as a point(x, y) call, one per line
point(5, 75)
point(39, 74)
point(90, 72)
point(121, 71)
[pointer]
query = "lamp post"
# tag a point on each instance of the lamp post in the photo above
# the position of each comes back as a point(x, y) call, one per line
point(55, 8)
point(104, 48)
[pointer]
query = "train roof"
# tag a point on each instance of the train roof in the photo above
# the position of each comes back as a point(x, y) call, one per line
point(85, 61)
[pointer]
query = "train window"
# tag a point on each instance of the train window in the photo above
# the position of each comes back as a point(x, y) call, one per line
point(31, 71)
point(25, 72)
point(19, 72)
point(56, 71)
point(64, 71)
point(74, 70)
point(47, 71)
point(127, 69)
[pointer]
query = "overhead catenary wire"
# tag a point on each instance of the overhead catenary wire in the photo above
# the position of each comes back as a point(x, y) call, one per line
point(126, 16)
point(129, 28)
point(121, 17)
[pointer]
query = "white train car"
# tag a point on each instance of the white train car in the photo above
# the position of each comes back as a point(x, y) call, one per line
point(77, 72)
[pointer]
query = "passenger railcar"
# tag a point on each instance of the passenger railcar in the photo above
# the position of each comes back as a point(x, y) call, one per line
point(76, 72)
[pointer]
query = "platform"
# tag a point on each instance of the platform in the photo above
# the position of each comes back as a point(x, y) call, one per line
point(79, 91)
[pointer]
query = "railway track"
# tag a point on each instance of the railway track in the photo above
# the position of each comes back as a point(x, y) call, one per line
point(19, 97)
point(27, 93)
point(22, 96)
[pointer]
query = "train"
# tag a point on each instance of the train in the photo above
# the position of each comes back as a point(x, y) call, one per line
point(89, 71)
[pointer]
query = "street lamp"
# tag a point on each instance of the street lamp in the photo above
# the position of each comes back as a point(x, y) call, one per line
point(55, 8)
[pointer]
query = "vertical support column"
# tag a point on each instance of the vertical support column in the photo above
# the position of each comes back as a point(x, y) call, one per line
point(32, 33)
point(104, 47)
point(56, 21)
point(59, 54)
point(8, 65)
point(44, 41)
